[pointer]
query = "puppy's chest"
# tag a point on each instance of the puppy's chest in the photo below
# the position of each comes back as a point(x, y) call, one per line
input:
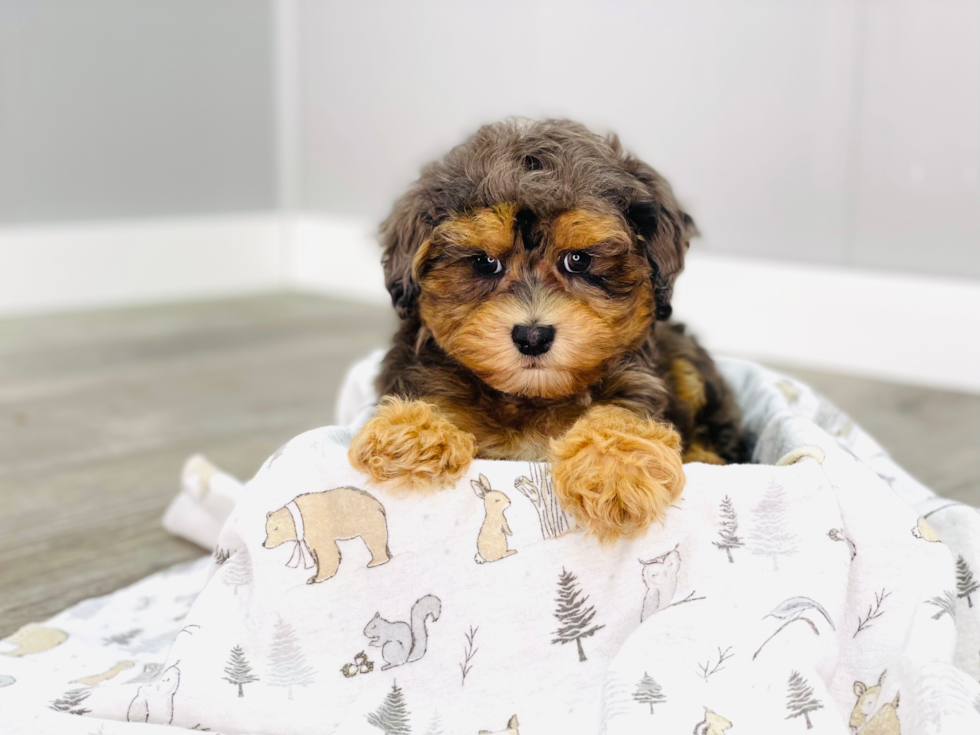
point(522, 435)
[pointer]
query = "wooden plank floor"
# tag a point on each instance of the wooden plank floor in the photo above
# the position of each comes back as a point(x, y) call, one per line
point(98, 411)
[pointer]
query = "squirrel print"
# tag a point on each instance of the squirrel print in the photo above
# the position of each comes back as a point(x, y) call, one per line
point(400, 642)
point(491, 544)
point(660, 577)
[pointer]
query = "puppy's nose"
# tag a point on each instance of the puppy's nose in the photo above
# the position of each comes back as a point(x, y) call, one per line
point(533, 340)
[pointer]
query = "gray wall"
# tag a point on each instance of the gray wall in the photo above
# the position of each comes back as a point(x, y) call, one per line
point(126, 108)
point(838, 131)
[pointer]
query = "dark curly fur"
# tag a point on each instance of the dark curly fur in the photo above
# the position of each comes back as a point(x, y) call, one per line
point(548, 168)
point(617, 395)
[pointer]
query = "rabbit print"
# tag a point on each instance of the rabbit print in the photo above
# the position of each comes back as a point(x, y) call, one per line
point(491, 544)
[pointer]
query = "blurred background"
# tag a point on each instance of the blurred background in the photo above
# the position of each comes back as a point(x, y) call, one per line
point(189, 191)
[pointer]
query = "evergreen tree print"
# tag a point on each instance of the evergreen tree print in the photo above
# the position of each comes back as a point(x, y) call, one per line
point(237, 571)
point(287, 663)
point(615, 702)
point(965, 584)
point(772, 535)
point(392, 715)
point(70, 702)
point(649, 692)
point(800, 700)
point(729, 527)
point(435, 725)
point(122, 639)
point(573, 614)
point(239, 670)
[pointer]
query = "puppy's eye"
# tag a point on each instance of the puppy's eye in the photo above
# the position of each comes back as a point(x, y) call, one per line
point(487, 266)
point(577, 262)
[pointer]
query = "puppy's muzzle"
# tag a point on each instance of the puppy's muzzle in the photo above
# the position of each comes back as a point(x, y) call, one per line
point(533, 340)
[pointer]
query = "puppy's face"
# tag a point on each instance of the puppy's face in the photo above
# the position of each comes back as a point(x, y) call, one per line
point(535, 306)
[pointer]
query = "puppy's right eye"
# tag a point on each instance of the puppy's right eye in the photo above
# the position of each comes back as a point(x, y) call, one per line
point(484, 265)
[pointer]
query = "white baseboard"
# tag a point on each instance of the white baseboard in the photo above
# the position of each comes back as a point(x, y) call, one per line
point(908, 328)
point(81, 266)
point(334, 255)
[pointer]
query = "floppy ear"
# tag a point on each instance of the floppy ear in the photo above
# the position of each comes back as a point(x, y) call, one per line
point(859, 688)
point(663, 229)
point(402, 235)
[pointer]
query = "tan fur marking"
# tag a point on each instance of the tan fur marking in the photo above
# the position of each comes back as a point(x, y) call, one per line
point(490, 230)
point(699, 453)
point(421, 255)
point(617, 473)
point(688, 383)
point(580, 228)
point(409, 446)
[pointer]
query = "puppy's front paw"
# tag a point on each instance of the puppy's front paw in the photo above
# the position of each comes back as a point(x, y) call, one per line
point(408, 446)
point(616, 473)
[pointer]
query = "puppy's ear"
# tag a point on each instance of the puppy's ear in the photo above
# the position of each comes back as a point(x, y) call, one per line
point(663, 229)
point(402, 235)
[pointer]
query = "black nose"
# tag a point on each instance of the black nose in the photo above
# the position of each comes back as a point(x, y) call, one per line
point(534, 340)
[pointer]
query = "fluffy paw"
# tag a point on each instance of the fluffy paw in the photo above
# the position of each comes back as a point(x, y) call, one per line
point(408, 446)
point(617, 473)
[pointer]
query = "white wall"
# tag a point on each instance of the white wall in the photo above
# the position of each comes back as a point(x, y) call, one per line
point(835, 131)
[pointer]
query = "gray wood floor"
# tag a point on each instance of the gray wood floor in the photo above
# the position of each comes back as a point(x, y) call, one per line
point(98, 411)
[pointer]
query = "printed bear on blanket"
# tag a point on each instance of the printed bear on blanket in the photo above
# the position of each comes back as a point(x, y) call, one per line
point(154, 702)
point(34, 638)
point(316, 521)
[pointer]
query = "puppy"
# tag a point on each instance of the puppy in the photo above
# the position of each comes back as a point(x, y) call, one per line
point(532, 271)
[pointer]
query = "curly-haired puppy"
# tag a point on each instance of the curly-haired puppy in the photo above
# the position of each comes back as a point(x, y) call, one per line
point(532, 270)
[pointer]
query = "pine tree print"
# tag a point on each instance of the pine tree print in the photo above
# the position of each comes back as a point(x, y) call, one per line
point(729, 526)
point(287, 663)
point(237, 571)
point(239, 670)
point(573, 614)
point(122, 639)
point(800, 700)
point(392, 715)
point(965, 584)
point(649, 692)
point(70, 702)
point(615, 702)
point(435, 725)
point(772, 535)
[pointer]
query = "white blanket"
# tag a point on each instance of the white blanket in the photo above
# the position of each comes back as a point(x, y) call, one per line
point(801, 592)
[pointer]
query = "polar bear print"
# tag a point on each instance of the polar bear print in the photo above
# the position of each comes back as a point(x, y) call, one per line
point(154, 703)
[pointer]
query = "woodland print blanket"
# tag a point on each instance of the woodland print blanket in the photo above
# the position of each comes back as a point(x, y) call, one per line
point(808, 591)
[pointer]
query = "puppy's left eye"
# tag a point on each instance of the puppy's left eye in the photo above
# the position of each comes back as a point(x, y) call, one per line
point(487, 266)
point(577, 262)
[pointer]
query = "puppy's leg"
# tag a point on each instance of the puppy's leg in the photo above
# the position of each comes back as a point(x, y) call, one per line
point(616, 473)
point(408, 445)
